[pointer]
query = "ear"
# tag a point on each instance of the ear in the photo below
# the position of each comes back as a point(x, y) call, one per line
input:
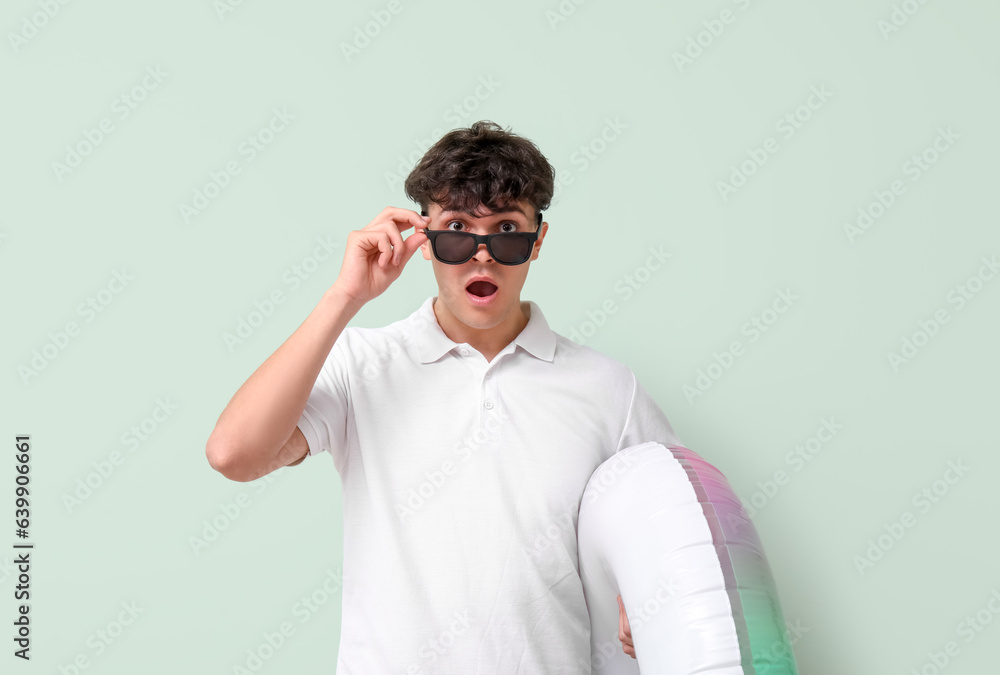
point(538, 242)
point(425, 247)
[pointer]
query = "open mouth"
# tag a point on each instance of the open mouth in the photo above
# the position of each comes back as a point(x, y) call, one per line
point(481, 289)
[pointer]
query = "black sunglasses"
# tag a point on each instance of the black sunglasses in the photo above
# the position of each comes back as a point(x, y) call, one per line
point(507, 248)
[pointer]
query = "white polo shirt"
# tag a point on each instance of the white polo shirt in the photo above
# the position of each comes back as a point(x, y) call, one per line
point(462, 481)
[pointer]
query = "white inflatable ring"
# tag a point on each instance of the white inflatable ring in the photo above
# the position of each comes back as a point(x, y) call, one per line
point(662, 528)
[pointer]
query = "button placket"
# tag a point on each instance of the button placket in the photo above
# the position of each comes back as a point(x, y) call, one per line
point(490, 403)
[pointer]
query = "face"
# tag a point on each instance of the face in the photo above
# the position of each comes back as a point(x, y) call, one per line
point(458, 307)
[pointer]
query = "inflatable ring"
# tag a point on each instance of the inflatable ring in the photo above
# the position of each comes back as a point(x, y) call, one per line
point(662, 528)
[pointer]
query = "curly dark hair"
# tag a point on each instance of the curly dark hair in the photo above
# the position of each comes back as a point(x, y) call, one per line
point(482, 165)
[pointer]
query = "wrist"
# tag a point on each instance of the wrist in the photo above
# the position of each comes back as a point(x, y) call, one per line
point(337, 299)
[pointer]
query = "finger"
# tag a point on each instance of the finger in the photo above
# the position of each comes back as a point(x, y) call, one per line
point(390, 233)
point(623, 618)
point(410, 219)
point(384, 247)
point(624, 631)
point(404, 219)
point(412, 243)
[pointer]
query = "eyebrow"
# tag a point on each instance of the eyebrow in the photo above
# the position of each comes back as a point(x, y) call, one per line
point(453, 214)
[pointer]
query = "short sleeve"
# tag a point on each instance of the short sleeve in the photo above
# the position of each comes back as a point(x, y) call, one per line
point(645, 421)
point(324, 420)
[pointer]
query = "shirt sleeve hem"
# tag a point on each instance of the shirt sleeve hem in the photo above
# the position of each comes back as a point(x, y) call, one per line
point(308, 427)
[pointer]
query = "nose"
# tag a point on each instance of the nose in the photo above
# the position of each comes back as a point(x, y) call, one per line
point(482, 254)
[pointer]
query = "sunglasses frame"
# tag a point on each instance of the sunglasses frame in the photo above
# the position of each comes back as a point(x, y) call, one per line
point(483, 239)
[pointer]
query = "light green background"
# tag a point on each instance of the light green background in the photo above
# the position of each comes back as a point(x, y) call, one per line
point(654, 185)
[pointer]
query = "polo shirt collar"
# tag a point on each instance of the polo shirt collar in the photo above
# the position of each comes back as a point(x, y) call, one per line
point(536, 338)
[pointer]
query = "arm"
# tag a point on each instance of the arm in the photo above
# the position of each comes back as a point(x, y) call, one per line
point(257, 432)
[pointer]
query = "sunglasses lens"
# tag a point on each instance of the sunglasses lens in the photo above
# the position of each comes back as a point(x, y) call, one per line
point(454, 246)
point(513, 248)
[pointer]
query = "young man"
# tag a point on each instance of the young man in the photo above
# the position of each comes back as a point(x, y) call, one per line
point(464, 434)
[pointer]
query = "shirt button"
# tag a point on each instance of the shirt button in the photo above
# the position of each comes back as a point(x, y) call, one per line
point(489, 374)
point(489, 405)
point(463, 351)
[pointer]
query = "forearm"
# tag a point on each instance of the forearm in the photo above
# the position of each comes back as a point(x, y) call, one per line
point(264, 412)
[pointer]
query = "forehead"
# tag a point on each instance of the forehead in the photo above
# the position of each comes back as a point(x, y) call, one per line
point(481, 212)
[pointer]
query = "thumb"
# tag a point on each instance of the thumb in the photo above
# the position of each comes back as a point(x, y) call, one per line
point(410, 246)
